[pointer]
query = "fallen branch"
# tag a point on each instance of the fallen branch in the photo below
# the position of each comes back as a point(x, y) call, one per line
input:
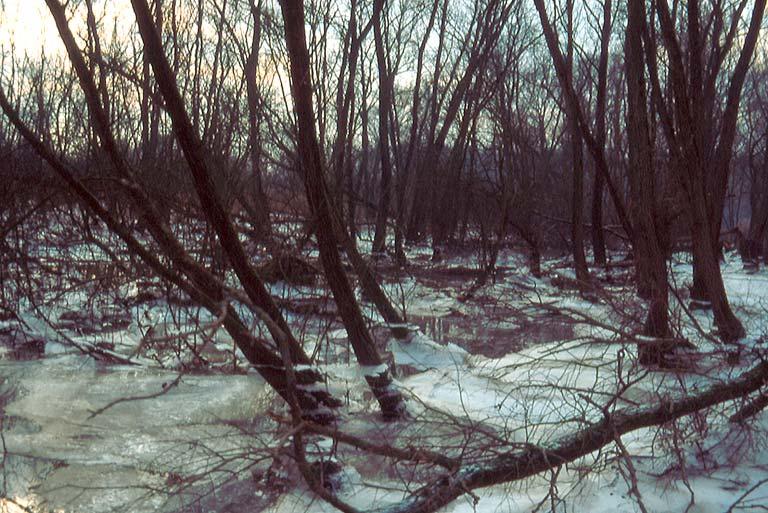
point(411, 454)
point(519, 464)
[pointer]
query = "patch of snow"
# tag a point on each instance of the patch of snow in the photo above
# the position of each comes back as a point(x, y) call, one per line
point(423, 353)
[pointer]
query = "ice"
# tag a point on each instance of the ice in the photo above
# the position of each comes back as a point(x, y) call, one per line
point(119, 447)
point(535, 394)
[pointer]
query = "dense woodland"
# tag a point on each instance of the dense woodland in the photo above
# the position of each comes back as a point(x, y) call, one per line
point(206, 150)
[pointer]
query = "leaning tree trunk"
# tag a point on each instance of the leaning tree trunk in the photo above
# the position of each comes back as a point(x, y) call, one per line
point(198, 282)
point(377, 374)
point(317, 404)
point(199, 160)
point(729, 327)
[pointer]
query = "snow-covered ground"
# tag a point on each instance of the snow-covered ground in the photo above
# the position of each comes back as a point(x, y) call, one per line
point(549, 390)
point(463, 403)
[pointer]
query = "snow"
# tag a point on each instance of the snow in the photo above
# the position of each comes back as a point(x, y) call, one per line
point(538, 394)
point(457, 400)
point(422, 353)
point(374, 370)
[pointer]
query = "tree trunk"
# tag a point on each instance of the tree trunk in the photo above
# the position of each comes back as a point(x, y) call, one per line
point(385, 105)
point(199, 162)
point(577, 160)
point(703, 176)
point(191, 278)
point(260, 207)
point(577, 208)
point(598, 233)
point(759, 208)
point(598, 185)
point(651, 261)
point(575, 112)
point(728, 325)
point(376, 373)
point(404, 179)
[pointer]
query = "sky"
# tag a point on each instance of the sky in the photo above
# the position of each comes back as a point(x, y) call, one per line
point(27, 25)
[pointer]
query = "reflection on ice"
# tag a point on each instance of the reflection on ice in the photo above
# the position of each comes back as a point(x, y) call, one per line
point(17, 505)
point(129, 456)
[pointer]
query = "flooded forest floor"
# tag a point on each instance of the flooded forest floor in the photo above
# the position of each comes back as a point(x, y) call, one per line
point(117, 393)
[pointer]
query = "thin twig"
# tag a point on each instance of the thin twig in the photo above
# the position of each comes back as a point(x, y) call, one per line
point(163, 391)
point(746, 493)
point(634, 489)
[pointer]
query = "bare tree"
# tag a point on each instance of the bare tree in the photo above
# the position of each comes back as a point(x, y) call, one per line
point(700, 154)
point(577, 160)
point(756, 163)
point(598, 184)
point(575, 111)
point(260, 207)
point(378, 376)
point(651, 258)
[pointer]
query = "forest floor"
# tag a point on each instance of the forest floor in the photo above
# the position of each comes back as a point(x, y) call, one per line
point(517, 361)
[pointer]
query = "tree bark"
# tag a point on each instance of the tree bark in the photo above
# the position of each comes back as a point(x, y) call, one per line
point(577, 161)
point(378, 375)
point(598, 185)
point(651, 259)
point(385, 162)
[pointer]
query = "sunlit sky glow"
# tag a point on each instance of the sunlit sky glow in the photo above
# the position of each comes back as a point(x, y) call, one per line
point(27, 26)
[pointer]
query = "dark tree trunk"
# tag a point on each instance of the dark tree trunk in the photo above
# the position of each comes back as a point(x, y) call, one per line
point(698, 288)
point(195, 280)
point(728, 325)
point(199, 163)
point(758, 202)
point(651, 260)
point(598, 185)
point(703, 172)
point(385, 106)
point(598, 233)
point(577, 208)
point(574, 111)
point(577, 160)
point(404, 179)
point(259, 209)
point(377, 374)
